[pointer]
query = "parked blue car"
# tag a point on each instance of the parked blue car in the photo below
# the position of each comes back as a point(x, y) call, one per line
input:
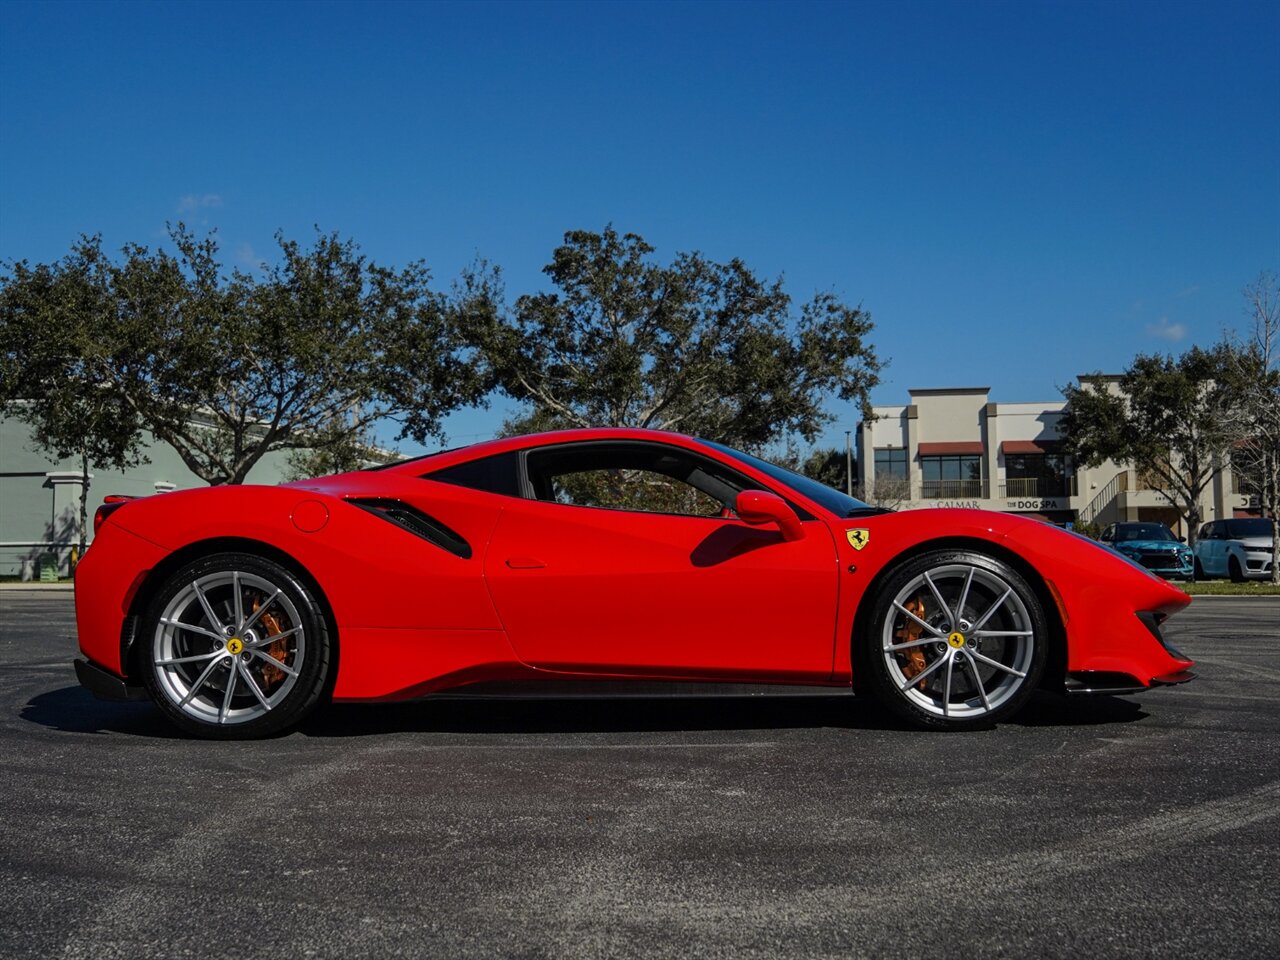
point(1153, 546)
point(1239, 548)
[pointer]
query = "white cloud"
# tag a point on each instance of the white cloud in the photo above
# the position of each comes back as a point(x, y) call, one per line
point(246, 256)
point(192, 202)
point(1164, 330)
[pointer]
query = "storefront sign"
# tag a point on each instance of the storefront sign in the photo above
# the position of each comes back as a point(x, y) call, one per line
point(1036, 503)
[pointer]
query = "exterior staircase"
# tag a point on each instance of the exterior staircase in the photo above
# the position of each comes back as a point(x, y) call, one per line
point(1106, 496)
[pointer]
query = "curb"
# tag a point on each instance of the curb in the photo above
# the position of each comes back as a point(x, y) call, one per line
point(1234, 596)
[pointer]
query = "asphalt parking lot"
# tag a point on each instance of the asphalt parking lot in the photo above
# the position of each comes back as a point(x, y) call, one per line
point(1111, 827)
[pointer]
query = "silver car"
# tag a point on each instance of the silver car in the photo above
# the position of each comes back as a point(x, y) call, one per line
point(1239, 549)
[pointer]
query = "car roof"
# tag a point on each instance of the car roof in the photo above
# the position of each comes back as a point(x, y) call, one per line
point(528, 441)
point(422, 466)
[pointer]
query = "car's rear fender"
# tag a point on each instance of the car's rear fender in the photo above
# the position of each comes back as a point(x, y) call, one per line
point(166, 567)
point(371, 573)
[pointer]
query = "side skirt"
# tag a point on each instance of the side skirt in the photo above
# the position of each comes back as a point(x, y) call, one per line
point(630, 689)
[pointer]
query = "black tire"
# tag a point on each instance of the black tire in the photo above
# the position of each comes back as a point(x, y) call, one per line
point(1233, 568)
point(969, 680)
point(1199, 570)
point(229, 671)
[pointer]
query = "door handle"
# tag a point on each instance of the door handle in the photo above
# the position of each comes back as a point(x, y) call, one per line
point(524, 563)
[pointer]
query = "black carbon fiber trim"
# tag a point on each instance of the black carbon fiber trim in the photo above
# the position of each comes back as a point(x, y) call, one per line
point(414, 521)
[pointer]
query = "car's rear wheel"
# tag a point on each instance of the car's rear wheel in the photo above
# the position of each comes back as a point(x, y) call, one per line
point(237, 647)
point(956, 640)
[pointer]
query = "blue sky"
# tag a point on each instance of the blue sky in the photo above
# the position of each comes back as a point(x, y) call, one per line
point(1018, 192)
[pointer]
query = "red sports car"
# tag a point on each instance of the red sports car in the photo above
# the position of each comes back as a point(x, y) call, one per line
point(553, 563)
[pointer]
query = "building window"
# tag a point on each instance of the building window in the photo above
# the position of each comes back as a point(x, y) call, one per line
point(891, 463)
point(1035, 475)
point(951, 476)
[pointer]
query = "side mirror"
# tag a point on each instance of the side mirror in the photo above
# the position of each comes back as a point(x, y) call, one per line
point(1182, 539)
point(760, 508)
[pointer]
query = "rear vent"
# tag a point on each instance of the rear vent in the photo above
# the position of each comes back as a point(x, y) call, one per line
point(416, 522)
point(128, 630)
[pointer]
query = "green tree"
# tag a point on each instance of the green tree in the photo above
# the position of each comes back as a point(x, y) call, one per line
point(311, 355)
point(1254, 421)
point(696, 346)
point(227, 366)
point(827, 465)
point(51, 364)
point(1168, 420)
point(340, 454)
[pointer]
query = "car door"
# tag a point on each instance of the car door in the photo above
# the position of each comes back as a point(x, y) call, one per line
point(1214, 557)
point(616, 568)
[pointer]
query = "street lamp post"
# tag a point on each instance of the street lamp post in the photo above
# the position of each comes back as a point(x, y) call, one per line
point(848, 462)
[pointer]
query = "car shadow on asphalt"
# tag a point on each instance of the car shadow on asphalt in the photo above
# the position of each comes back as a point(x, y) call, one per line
point(676, 714)
point(75, 710)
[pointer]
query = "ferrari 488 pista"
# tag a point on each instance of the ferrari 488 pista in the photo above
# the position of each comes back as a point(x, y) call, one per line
point(590, 559)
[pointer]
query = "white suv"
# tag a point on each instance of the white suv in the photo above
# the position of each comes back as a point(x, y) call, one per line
point(1239, 549)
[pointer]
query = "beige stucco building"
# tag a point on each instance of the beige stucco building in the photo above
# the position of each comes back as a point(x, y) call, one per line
point(953, 447)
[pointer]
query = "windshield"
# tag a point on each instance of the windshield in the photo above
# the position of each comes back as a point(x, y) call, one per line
point(841, 504)
point(1246, 527)
point(1144, 531)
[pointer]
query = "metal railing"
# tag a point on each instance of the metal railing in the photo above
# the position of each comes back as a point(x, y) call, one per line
point(953, 489)
point(1035, 487)
point(1119, 483)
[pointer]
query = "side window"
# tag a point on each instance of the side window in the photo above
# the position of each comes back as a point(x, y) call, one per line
point(630, 488)
point(1108, 534)
point(639, 477)
point(496, 474)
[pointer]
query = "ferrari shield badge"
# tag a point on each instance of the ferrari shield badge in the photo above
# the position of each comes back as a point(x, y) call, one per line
point(858, 538)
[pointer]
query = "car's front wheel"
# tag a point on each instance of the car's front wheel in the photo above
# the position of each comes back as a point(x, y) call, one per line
point(956, 640)
point(236, 647)
point(1234, 571)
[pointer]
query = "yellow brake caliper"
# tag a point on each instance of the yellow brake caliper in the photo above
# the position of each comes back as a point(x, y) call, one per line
point(909, 631)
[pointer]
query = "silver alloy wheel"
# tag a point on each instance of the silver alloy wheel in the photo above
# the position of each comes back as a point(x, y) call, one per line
point(960, 643)
point(228, 647)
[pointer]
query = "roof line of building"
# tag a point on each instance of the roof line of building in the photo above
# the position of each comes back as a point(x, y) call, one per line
point(927, 391)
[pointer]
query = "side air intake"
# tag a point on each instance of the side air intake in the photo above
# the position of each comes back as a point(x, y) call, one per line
point(416, 522)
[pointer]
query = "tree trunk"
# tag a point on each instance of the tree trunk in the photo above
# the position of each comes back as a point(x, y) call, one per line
point(1275, 551)
point(1272, 499)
